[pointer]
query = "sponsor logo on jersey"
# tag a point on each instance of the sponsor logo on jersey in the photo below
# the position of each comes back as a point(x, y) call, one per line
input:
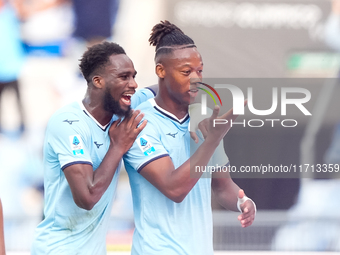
point(70, 121)
point(76, 145)
point(98, 144)
point(145, 145)
point(172, 135)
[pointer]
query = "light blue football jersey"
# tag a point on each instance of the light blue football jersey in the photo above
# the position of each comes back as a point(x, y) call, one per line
point(73, 136)
point(163, 226)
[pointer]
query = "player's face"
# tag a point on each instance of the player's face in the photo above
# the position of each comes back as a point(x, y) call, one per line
point(182, 69)
point(120, 84)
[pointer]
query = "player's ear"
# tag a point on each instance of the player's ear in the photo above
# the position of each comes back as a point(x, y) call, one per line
point(160, 71)
point(98, 81)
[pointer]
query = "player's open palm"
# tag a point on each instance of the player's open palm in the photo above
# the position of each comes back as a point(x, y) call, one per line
point(124, 133)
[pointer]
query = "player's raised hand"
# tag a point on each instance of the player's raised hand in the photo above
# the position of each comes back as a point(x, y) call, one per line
point(248, 208)
point(207, 125)
point(203, 127)
point(216, 126)
point(219, 125)
point(124, 133)
point(194, 136)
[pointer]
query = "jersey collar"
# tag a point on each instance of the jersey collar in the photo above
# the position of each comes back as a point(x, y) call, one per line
point(168, 114)
point(89, 114)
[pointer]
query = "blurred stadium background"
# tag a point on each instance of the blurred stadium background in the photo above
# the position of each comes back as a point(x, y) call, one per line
point(271, 39)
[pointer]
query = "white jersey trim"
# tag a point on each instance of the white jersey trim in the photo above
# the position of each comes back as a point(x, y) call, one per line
point(154, 104)
point(90, 115)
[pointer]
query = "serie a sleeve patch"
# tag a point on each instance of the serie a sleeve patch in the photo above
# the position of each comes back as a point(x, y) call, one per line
point(77, 145)
point(145, 145)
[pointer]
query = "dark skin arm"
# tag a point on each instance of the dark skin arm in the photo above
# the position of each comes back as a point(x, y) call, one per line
point(2, 238)
point(227, 193)
point(88, 186)
point(177, 183)
point(225, 190)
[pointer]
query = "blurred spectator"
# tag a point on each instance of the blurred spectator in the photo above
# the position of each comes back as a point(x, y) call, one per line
point(11, 56)
point(94, 20)
point(46, 25)
point(93, 23)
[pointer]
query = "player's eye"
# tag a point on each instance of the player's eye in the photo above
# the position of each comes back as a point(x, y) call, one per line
point(186, 72)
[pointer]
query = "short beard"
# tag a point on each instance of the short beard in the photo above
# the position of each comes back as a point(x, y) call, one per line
point(113, 106)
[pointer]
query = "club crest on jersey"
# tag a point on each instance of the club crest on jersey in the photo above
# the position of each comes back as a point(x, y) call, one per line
point(145, 145)
point(76, 145)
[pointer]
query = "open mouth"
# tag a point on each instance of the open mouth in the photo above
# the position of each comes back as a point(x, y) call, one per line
point(193, 91)
point(194, 87)
point(126, 98)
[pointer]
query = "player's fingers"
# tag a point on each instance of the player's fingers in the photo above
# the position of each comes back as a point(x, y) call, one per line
point(215, 112)
point(247, 212)
point(246, 215)
point(115, 123)
point(229, 115)
point(194, 136)
point(247, 222)
point(141, 127)
point(137, 120)
point(132, 117)
point(247, 225)
point(241, 194)
point(241, 199)
point(202, 126)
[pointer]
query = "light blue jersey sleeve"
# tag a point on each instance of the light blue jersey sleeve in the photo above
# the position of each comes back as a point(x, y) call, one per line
point(68, 142)
point(146, 148)
point(141, 96)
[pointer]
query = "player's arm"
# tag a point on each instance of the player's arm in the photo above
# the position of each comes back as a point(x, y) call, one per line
point(177, 183)
point(228, 194)
point(88, 186)
point(2, 238)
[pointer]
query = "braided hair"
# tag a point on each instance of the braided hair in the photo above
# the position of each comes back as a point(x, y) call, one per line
point(168, 37)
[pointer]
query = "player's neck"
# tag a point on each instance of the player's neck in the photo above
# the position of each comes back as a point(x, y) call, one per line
point(170, 105)
point(97, 111)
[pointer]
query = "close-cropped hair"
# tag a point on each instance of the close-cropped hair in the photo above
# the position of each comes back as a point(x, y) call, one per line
point(97, 57)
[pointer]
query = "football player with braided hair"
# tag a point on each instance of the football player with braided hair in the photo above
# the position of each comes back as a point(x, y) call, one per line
point(172, 202)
